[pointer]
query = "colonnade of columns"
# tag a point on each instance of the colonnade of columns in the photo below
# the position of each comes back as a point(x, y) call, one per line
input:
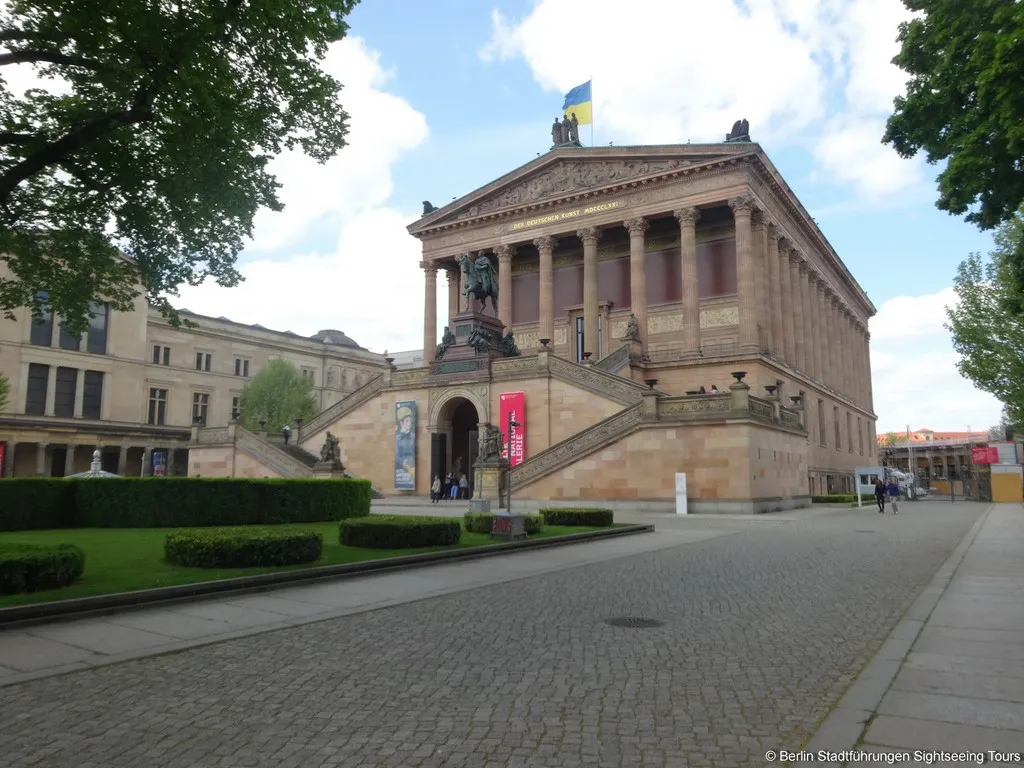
point(787, 308)
point(42, 450)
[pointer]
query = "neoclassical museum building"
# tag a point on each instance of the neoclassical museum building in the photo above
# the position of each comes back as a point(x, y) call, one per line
point(672, 309)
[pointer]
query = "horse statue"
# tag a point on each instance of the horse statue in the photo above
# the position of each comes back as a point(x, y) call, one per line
point(481, 282)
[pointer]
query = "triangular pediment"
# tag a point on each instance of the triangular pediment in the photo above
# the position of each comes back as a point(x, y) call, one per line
point(564, 173)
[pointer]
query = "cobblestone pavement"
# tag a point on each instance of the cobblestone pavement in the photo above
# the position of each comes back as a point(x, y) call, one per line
point(763, 630)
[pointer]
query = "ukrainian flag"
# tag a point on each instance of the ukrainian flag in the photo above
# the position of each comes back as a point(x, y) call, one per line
point(578, 100)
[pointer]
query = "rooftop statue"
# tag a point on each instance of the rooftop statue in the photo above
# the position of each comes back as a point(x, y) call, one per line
point(740, 131)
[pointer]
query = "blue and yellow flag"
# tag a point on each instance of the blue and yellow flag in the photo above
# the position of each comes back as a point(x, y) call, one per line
point(578, 100)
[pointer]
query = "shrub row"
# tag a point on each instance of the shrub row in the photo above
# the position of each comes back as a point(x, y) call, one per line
point(31, 567)
point(171, 502)
point(589, 516)
point(479, 522)
point(397, 532)
point(247, 548)
point(839, 498)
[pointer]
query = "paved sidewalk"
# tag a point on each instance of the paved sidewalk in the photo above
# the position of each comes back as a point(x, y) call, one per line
point(55, 648)
point(951, 675)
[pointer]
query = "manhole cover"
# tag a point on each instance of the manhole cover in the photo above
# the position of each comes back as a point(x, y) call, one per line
point(635, 622)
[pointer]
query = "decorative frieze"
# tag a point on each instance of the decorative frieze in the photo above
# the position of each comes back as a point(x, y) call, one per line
point(671, 408)
point(561, 337)
point(213, 436)
point(410, 378)
point(597, 381)
point(719, 317)
point(761, 409)
point(665, 322)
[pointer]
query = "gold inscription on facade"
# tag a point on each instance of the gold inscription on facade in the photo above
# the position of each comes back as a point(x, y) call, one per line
point(566, 215)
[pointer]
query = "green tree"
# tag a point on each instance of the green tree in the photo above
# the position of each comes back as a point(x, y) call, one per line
point(964, 104)
point(5, 392)
point(988, 336)
point(277, 395)
point(158, 149)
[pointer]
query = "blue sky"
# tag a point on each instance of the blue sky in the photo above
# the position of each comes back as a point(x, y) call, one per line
point(447, 95)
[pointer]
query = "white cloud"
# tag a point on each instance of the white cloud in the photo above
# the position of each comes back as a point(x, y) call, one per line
point(340, 285)
point(913, 370)
point(809, 71)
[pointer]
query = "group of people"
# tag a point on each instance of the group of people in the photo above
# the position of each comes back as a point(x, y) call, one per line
point(890, 489)
point(451, 487)
point(713, 391)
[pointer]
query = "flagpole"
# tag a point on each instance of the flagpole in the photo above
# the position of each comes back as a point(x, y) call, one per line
point(591, 110)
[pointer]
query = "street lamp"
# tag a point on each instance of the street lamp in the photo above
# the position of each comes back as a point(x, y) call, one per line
point(508, 473)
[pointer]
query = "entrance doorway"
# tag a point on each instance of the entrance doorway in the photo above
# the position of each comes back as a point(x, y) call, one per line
point(454, 444)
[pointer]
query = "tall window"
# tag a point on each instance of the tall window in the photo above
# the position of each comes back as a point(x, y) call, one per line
point(38, 381)
point(203, 361)
point(96, 339)
point(200, 406)
point(822, 436)
point(161, 355)
point(835, 422)
point(236, 407)
point(849, 432)
point(68, 340)
point(309, 373)
point(860, 437)
point(579, 340)
point(92, 395)
point(64, 394)
point(42, 326)
point(157, 406)
point(241, 366)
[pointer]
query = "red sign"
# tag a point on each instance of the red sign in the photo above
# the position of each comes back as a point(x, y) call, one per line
point(984, 455)
point(513, 404)
point(3, 449)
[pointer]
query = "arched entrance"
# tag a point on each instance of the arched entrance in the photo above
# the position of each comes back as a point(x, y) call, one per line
point(454, 442)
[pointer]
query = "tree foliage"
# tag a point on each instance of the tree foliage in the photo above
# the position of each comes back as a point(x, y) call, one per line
point(988, 336)
point(964, 102)
point(5, 392)
point(157, 145)
point(278, 395)
point(965, 105)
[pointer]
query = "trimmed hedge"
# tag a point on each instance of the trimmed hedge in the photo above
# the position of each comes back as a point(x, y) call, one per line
point(590, 516)
point(173, 502)
point(399, 532)
point(840, 498)
point(28, 503)
point(242, 548)
point(480, 522)
point(31, 567)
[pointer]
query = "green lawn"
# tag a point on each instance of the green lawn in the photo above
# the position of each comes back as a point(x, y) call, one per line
point(127, 559)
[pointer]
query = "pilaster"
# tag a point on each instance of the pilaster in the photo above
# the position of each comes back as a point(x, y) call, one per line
point(828, 343)
point(545, 246)
point(429, 308)
point(41, 459)
point(51, 388)
point(505, 253)
point(454, 285)
point(79, 392)
point(589, 236)
point(147, 460)
point(122, 460)
point(835, 348)
point(789, 305)
point(9, 451)
point(637, 275)
point(742, 208)
point(807, 356)
point(688, 218)
point(69, 460)
point(775, 290)
point(759, 227)
point(817, 330)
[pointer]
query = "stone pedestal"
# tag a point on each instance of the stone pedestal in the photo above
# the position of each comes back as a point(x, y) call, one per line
point(489, 482)
point(329, 470)
point(463, 356)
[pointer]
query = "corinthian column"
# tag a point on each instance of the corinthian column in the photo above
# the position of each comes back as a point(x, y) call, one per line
point(637, 276)
point(775, 290)
point(804, 351)
point(789, 305)
point(688, 218)
point(835, 348)
point(816, 336)
point(849, 370)
point(454, 285)
point(545, 246)
point(741, 211)
point(827, 344)
point(590, 236)
point(761, 282)
point(504, 253)
point(429, 308)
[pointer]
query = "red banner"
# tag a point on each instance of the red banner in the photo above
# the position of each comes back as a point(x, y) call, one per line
point(3, 449)
point(513, 404)
point(982, 455)
point(993, 455)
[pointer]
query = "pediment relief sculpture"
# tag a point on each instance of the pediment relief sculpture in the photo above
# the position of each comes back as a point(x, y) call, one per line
point(567, 177)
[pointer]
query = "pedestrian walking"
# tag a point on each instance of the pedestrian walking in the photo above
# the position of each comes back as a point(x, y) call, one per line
point(894, 494)
point(435, 490)
point(286, 433)
point(880, 495)
point(463, 486)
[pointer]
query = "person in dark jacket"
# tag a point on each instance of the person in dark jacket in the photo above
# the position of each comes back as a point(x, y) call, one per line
point(880, 495)
point(893, 490)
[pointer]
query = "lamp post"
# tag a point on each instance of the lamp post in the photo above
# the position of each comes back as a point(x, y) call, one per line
point(508, 473)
